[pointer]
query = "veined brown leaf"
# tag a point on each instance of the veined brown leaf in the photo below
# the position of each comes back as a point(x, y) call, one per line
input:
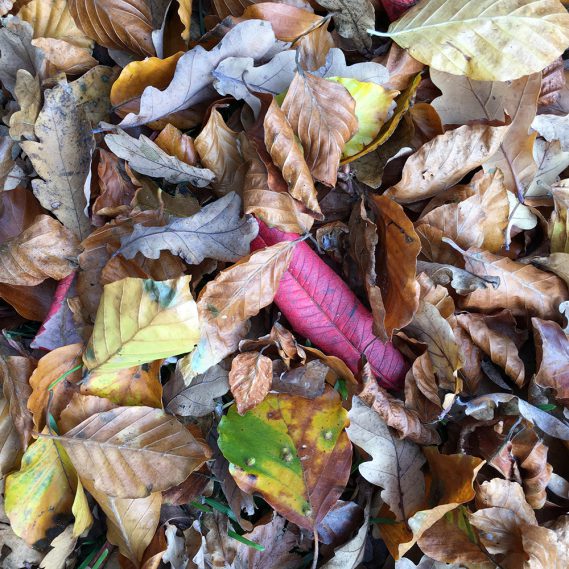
point(288, 156)
point(44, 250)
point(322, 113)
point(535, 33)
point(81, 407)
point(250, 379)
point(174, 143)
point(141, 320)
point(10, 446)
point(218, 148)
point(444, 161)
point(130, 452)
point(116, 24)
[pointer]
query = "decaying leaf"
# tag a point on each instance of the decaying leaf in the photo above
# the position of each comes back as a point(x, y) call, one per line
point(250, 380)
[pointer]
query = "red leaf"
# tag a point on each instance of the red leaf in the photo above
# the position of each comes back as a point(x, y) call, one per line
point(321, 307)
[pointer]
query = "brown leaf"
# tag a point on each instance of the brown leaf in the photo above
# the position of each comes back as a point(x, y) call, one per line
point(396, 258)
point(118, 24)
point(172, 141)
point(552, 348)
point(393, 411)
point(15, 372)
point(218, 149)
point(401, 66)
point(282, 339)
point(445, 160)
point(557, 263)
point(50, 369)
point(322, 114)
point(64, 57)
point(423, 376)
point(10, 446)
point(287, 155)
point(81, 407)
point(523, 288)
point(250, 379)
point(314, 47)
point(559, 224)
point(44, 250)
point(28, 94)
point(154, 455)
point(502, 350)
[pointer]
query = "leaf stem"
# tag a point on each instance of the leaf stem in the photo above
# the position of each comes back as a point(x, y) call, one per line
point(316, 550)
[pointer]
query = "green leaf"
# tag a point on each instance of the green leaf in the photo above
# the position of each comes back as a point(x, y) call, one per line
point(291, 450)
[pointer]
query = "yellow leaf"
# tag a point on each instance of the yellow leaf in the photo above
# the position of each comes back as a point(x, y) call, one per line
point(492, 40)
point(141, 320)
point(81, 511)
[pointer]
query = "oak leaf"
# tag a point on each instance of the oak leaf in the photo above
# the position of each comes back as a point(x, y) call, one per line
point(250, 380)
point(28, 94)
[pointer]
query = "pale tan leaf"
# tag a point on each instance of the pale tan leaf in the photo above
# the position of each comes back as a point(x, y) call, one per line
point(559, 224)
point(10, 446)
point(28, 94)
point(250, 379)
point(64, 57)
point(551, 161)
point(218, 149)
point(129, 452)
point(322, 114)
point(442, 162)
point(557, 263)
point(62, 547)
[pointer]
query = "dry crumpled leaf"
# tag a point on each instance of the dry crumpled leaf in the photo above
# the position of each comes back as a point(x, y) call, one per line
point(28, 94)
point(552, 347)
point(191, 83)
point(219, 150)
point(461, 281)
point(63, 57)
point(196, 396)
point(250, 379)
point(148, 158)
point(523, 289)
point(216, 232)
point(46, 249)
point(443, 161)
point(118, 24)
point(489, 334)
point(158, 454)
point(393, 411)
point(64, 168)
point(322, 114)
point(396, 463)
point(173, 142)
point(541, 35)
point(287, 154)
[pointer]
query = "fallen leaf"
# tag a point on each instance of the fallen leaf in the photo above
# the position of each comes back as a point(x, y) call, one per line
point(63, 57)
point(442, 162)
point(148, 158)
point(298, 482)
point(323, 115)
point(423, 30)
point(17, 552)
point(130, 29)
point(62, 547)
point(395, 465)
point(552, 127)
point(287, 154)
point(552, 347)
point(177, 144)
point(218, 148)
point(10, 446)
point(155, 455)
point(250, 380)
point(315, 46)
point(191, 83)
point(462, 281)
point(556, 263)
point(551, 161)
point(133, 312)
point(196, 396)
point(28, 94)
point(559, 224)
point(81, 407)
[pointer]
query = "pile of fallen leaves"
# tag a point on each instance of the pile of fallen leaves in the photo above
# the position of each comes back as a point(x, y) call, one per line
point(284, 284)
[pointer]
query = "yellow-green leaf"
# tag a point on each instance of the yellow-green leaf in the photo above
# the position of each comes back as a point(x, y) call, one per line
point(39, 497)
point(291, 450)
point(487, 40)
point(81, 511)
point(142, 320)
point(373, 103)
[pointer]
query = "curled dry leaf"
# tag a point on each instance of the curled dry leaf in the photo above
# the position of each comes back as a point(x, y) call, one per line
point(444, 161)
point(250, 380)
point(156, 453)
point(174, 143)
point(322, 114)
point(559, 224)
point(44, 250)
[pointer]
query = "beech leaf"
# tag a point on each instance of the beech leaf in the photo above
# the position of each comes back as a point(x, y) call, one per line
point(250, 380)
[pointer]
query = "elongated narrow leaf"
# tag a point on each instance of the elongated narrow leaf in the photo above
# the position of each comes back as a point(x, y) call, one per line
point(215, 232)
point(490, 40)
point(141, 320)
point(304, 460)
point(130, 452)
point(10, 446)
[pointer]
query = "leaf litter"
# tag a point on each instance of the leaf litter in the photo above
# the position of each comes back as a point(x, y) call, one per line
point(284, 284)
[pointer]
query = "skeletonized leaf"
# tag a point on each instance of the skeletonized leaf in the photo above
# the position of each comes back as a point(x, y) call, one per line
point(494, 40)
point(218, 148)
point(216, 232)
point(322, 113)
point(141, 320)
point(442, 162)
point(130, 452)
point(116, 24)
point(191, 83)
point(395, 465)
point(250, 380)
point(63, 167)
point(304, 463)
point(148, 158)
point(44, 250)
point(288, 156)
